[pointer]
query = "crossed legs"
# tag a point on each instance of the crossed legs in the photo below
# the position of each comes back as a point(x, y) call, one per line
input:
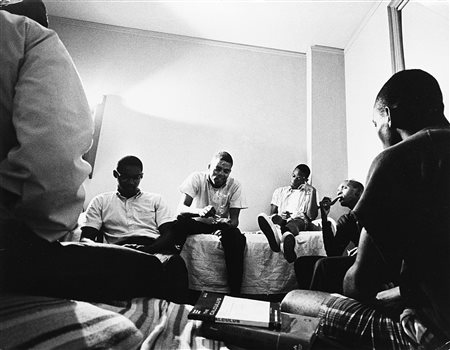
point(289, 229)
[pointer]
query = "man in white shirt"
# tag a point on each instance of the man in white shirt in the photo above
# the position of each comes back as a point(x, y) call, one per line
point(292, 208)
point(130, 217)
point(45, 128)
point(210, 203)
point(138, 220)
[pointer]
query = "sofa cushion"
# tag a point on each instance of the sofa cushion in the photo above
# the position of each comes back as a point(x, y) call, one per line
point(34, 322)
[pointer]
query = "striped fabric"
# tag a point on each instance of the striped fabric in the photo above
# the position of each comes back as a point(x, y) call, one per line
point(165, 325)
point(31, 322)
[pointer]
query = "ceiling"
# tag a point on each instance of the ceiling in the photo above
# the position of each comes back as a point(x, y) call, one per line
point(286, 25)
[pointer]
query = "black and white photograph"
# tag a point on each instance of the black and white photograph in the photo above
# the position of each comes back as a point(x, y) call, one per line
point(224, 174)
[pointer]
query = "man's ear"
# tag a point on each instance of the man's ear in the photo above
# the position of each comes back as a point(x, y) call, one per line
point(115, 174)
point(359, 193)
point(387, 111)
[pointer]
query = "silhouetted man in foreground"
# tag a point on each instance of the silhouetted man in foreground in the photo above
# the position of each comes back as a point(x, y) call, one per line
point(404, 212)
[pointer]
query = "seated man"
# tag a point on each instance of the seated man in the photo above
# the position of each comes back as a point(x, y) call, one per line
point(130, 217)
point(211, 202)
point(292, 209)
point(46, 127)
point(137, 220)
point(327, 274)
point(404, 212)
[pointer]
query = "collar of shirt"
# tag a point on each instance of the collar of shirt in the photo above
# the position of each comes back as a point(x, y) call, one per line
point(301, 188)
point(137, 195)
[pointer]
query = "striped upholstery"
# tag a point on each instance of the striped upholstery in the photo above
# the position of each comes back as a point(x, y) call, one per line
point(165, 325)
point(32, 322)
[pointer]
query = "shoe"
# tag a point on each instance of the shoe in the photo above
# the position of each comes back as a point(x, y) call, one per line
point(289, 248)
point(270, 231)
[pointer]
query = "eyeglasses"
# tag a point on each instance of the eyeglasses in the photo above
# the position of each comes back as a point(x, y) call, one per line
point(125, 177)
point(299, 176)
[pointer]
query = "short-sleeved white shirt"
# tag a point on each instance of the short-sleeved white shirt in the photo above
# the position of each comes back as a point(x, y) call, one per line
point(121, 218)
point(295, 201)
point(222, 199)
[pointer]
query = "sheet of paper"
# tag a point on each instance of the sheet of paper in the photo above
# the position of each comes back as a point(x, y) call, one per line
point(244, 309)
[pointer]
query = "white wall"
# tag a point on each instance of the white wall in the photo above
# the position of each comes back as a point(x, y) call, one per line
point(425, 41)
point(367, 67)
point(175, 101)
point(326, 121)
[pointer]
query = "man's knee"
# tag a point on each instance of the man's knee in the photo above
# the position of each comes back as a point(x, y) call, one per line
point(233, 237)
point(296, 225)
point(179, 233)
point(175, 266)
point(139, 266)
point(334, 265)
point(321, 265)
point(306, 263)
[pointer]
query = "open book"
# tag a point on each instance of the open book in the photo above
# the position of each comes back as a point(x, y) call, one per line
point(221, 308)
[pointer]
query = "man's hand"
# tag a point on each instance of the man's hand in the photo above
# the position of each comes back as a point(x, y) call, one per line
point(285, 215)
point(390, 298)
point(223, 224)
point(207, 212)
point(87, 241)
point(325, 205)
point(134, 246)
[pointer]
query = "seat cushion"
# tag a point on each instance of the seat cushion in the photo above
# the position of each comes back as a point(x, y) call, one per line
point(265, 271)
point(34, 322)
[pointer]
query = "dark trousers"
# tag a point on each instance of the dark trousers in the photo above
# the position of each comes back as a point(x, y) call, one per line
point(295, 226)
point(233, 243)
point(92, 272)
point(321, 273)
